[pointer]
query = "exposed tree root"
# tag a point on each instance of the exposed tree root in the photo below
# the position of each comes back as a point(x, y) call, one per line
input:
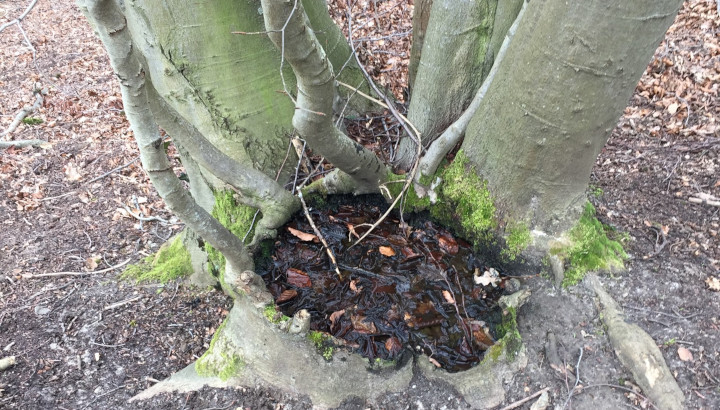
point(638, 352)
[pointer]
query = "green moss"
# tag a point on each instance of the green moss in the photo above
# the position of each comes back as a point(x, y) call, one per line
point(172, 261)
point(218, 360)
point(237, 218)
point(412, 201)
point(465, 195)
point(273, 315)
point(32, 121)
point(591, 248)
point(322, 344)
point(518, 238)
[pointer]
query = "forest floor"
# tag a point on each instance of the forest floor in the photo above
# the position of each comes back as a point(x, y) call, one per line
point(92, 340)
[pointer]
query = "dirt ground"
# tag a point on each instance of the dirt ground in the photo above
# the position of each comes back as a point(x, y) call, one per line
point(90, 340)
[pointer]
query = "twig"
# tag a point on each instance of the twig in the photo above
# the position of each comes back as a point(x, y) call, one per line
point(319, 235)
point(56, 274)
point(525, 400)
point(121, 303)
point(113, 170)
point(22, 16)
point(411, 130)
point(145, 218)
point(577, 379)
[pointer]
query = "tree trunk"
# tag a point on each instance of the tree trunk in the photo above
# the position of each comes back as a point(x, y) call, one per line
point(567, 76)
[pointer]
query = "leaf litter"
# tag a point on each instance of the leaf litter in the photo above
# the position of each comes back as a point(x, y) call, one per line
point(397, 293)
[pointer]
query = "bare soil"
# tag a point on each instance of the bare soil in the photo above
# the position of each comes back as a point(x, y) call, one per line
point(94, 341)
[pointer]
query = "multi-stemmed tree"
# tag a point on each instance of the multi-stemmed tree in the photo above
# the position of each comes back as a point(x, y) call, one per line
point(530, 91)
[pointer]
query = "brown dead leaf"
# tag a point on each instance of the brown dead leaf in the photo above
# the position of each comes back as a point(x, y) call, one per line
point(713, 283)
point(435, 362)
point(393, 345)
point(361, 326)
point(387, 251)
point(672, 108)
point(353, 286)
point(298, 278)
point(286, 295)
point(71, 172)
point(448, 296)
point(448, 244)
point(684, 354)
point(303, 236)
point(334, 316)
point(91, 263)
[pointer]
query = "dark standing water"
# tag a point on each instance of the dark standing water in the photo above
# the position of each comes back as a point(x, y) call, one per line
point(403, 287)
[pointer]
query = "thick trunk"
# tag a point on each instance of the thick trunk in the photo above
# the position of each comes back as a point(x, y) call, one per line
point(566, 78)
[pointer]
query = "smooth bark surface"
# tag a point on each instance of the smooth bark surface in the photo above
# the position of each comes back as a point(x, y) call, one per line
point(558, 93)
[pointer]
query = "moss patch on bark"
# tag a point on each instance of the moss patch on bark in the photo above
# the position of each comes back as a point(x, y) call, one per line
point(220, 360)
point(237, 218)
point(591, 249)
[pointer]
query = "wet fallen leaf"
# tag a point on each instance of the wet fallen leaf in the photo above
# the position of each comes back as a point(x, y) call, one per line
point(713, 283)
point(684, 354)
point(298, 278)
point(303, 236)
point(334, 316)
point(393, 345)
point(361, 326)
point(448, 296)
point(286, 295)
point(387, 251)
point(448, 244)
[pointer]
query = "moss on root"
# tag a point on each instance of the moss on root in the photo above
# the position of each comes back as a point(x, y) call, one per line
point(219, 360)
point(591, 249)
point(237, 218)
point(322, 344)
point(516, 240)
point(170, 262)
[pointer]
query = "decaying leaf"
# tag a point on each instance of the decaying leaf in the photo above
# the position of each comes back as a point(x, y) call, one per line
point(298, 278)
point(71, 172)
point(713, 283)
point(387, 251)
point(91, 263)
point(393, 345)
point(489, 277)
point(334, 316)
point(286, 295)
point(448, 296)
point(684, 354)
point(361, 326)
point(448, 244)
point(303, 236)
point(354, 287)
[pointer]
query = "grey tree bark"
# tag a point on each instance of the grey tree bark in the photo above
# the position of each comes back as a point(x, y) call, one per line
point(535, 89)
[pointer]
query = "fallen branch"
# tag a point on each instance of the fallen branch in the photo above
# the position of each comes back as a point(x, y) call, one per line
point(706, 199)
point(24, 112)
point(56, 274)
point(19, 19)
point(525, 400)
point(24, 143)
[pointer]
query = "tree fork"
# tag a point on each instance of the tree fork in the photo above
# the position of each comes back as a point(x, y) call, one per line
point(287, 27)
point(112, 30)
